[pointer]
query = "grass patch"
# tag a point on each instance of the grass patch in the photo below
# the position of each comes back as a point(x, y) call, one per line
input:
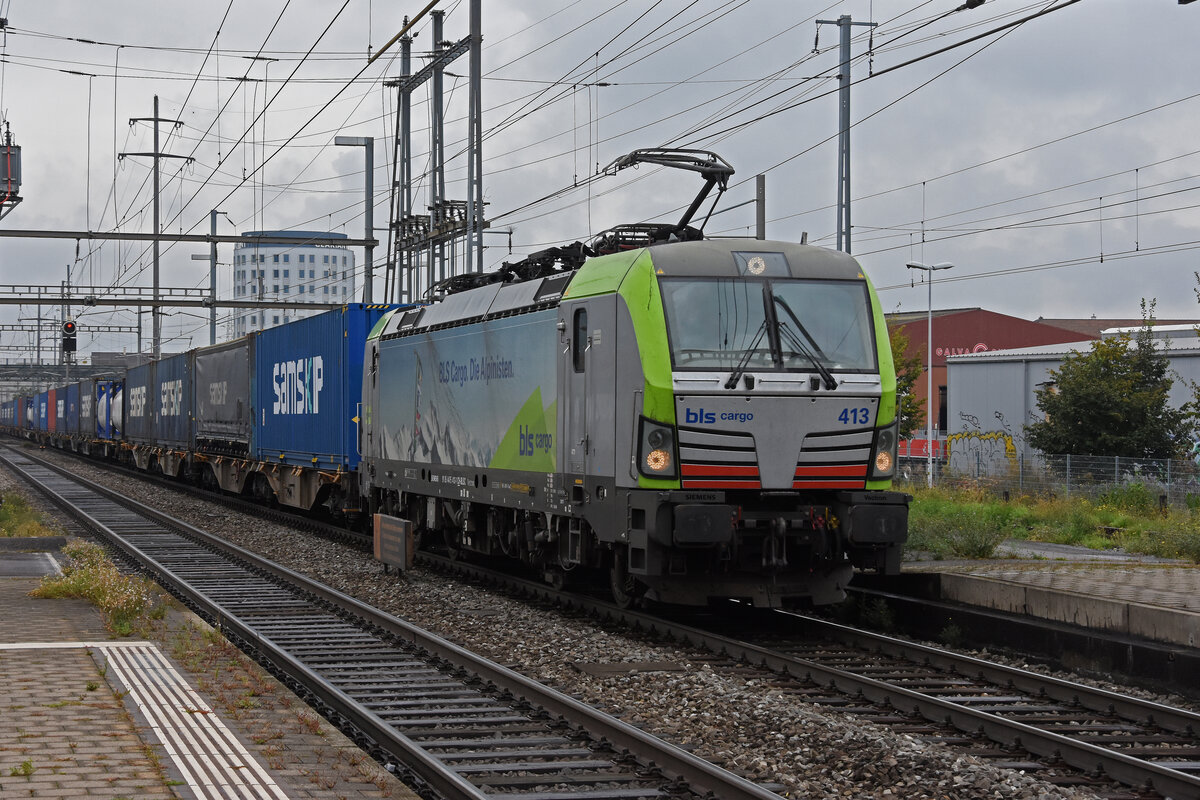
point(969, 522)
point(89, 574)
point(19, 519)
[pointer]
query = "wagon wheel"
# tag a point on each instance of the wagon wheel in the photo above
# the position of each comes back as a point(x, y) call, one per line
point(454, 549)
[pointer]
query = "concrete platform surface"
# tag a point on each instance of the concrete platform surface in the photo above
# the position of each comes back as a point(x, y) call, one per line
point(180, 714)
point(1140, 596)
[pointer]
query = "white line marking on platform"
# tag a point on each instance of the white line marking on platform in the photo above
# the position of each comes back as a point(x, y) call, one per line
point(207, 754)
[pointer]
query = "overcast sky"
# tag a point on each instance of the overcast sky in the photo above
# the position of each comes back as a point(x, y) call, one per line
point(1054, 163)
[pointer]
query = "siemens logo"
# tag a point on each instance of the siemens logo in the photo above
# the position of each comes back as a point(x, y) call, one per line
point(702, 417)
point(298, 386)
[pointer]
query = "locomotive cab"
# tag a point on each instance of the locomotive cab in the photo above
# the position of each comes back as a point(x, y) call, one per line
point(758, 412)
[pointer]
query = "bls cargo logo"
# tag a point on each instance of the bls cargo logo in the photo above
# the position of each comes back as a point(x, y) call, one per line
point(701, 417)
point(530, 443)
point(298, 386)
point(171, 397)
point(137, 401)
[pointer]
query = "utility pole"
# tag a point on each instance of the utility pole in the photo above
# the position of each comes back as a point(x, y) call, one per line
point(475, 144)
point(368, 145)
point(760, 206)
point(415, 235)
point(844, 24)
point(156, 312)
point(212, 278)
point(437, 154)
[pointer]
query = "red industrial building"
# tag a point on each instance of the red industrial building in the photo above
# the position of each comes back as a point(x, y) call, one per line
point(966, 330)
point(974, 330)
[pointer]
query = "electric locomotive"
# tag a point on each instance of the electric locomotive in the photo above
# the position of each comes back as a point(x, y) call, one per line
point(702, 419)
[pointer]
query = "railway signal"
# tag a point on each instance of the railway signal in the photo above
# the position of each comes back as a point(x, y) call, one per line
point(69, 329)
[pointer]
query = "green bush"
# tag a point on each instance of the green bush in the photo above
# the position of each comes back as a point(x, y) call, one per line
point(1135, 497)
point(967, 522)
point(959, 525)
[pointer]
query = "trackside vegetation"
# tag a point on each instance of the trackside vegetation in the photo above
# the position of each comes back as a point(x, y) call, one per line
point(88, 574)
point(970, 522)
point(18, 519)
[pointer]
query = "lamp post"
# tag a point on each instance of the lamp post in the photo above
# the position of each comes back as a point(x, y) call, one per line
point(929, 268)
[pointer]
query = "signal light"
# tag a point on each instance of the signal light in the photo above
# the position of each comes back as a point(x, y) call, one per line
point(69, 329)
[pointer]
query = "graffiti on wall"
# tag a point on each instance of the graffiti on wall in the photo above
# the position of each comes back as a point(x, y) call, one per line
point(979, 452)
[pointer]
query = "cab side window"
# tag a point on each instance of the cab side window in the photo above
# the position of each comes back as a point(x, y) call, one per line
point(579, 339)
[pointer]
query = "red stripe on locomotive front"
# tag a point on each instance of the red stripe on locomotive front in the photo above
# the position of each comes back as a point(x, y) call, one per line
point(715, 470)
point(832, 470)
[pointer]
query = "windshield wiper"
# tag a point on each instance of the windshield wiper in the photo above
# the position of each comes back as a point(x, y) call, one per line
point(817, 358)
point(740, 369)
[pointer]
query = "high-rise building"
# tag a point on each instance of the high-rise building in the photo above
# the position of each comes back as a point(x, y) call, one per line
point(316, 269)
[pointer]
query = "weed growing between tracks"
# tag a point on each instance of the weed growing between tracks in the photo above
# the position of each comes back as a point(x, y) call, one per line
point(971, 522)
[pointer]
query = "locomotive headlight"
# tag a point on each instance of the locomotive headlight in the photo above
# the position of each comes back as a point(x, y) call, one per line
point(658, 461)
point(656, 449)
point(883, 454)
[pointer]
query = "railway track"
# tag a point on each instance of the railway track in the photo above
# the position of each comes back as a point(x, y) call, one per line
point(454, 723)
point(1100, 736)
point(1015, 718)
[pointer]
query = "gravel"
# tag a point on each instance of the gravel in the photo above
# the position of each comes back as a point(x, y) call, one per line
point(737, 719)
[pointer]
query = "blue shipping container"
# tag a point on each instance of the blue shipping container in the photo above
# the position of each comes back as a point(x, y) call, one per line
point(308, 388)
point(41, 409)
point(139, 404)
point(86, 424)
point(172, 401)
point(71, 428)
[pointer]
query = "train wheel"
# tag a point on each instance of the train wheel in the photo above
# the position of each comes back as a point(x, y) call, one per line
point(626, 589)
point(453, 548)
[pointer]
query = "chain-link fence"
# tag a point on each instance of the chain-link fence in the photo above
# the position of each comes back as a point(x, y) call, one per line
point(1174, 482)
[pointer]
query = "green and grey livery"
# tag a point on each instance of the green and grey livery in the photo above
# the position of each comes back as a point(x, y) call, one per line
point(702, 420)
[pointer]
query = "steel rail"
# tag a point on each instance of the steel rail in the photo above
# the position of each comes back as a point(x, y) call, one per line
point(697, 773)
point(1081, 755)
point(1090, 697)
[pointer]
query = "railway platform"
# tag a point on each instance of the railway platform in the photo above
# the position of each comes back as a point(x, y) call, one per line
point(1137, 596)
point(178, 715)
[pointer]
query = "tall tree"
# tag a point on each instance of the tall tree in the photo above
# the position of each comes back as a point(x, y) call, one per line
point(908, 369)
point(1111, 401)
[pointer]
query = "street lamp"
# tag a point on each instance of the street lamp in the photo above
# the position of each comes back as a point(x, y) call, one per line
point(929, 362)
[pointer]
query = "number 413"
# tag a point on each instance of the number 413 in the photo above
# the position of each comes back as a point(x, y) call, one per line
point(855, 416)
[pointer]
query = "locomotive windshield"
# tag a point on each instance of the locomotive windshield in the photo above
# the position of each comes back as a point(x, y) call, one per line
point(786, 324)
